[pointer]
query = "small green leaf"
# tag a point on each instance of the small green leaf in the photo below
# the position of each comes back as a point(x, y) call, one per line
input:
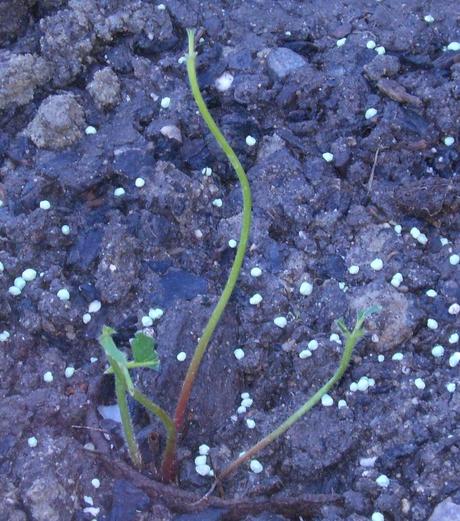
point(144, 353)
point(116, 358)
point(341, 325)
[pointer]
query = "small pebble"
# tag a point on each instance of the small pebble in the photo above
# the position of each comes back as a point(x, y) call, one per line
point(327, 400)
point(90, 130)
point(444, 241)
point(32, 442)
point(94, 306)
point(256, 466)
point(48, 377)
point(224, 81)
point(451, 387)
point(250, 423)
point(65, 229)
point(119, 192)
point(396, 280)
point(449, 141)
point(341, 42)
point(239, 354)
point(203, 449)
point(428, 19)
point(454, 259)
point(370, 113)
point(328, 157)
point(181, 356)
point(232, 243)
point(280, 322)
point(86, 318)
point(4, 335)
point(353, 270)
point(437, 351)
point(29, 274)
point(165, 102)
point(431, 323)
point(419, 383)
point(431, 293)
point(63, 294)
point(69, 372)
point(306, 289)
point(139, 182)
point(250, 141)
point(454, 359)
point(45, 205)
point(256, 272)
point(217, 203)
point(377, 264)
point(255, 299)
point(382, 481)
point(306, 353)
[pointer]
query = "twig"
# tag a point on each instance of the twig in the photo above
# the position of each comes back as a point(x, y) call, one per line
point(371, 177)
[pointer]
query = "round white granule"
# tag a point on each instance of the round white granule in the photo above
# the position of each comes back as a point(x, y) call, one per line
point(94, 306)
point(370, 44)
point(453, 339)
point(238, 353)
point(381, 358)
point(86, 318)
point(398, 229)
point(63, 294)
point(181, 356)
point(146, 321)
point(380, 50)
point(48, 377)
point(419, 383)
point(451, 387)
point(165, 102)
point(454, 359)
point(370, 113)
point(93, 359)
point(256, 466)
point(32, 442)
point(255, 299)
point(13, 290)
point(19, 282)
point(453, 46)
point(203, 449)
point(327, 400)
point(250, 141)
point(217, 203)
point(206, 171)
point(396, 280)
point(156, 313)
point(306, 353)
point(422, 239)
point(250, 423)
point(377, 264)
point(335, 338)
point(377, 516)
point(397, 357)
point(313, 345)
point(431, 293)
point(224, 81)
point(449, 141)
point(428, 19)
point(232, 243)
point(203, 470)
point(306, 289)
point(256, 272)
point(198, 234)
point(2, 267)
point(4, 335)
point(161, 7)
point(200, 460)
point(431, 323)
point(415, 232)
point(353, 270)
point(69, 372)
point(353, 387)
point(383, 481)
point(119, 192)
point(139, 182)
point(341, 42)
point(437, 351)
point(96, 483)
point(90, 130)
point(241, 409)
point(247, 402)
point(45, 205)
point(29, 274)
point(245, 395)
point(454, 259)
point(363, 384)
point(328, 157)
point(454, 309)
point(342, 404)
point(65, 229)
point(280, 322)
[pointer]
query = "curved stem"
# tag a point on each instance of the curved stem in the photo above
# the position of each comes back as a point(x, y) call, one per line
point(240, 252)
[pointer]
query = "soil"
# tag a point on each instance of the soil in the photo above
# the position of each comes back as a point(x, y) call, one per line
point(83, 112)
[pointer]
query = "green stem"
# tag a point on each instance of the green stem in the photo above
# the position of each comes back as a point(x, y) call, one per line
point(133, 448)
point(351, 341)
point(240, 252)
point(168, 468)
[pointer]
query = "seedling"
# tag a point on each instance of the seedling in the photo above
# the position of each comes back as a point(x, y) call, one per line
point(143, 346)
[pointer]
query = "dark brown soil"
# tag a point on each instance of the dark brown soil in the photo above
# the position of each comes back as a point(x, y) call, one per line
point(83, 112)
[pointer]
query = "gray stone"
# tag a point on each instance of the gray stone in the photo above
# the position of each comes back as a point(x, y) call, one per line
point(382, 65)
point(105, 88)
point(282, 62)
point(20, 74)
point(446, 511)
point(58, 123)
